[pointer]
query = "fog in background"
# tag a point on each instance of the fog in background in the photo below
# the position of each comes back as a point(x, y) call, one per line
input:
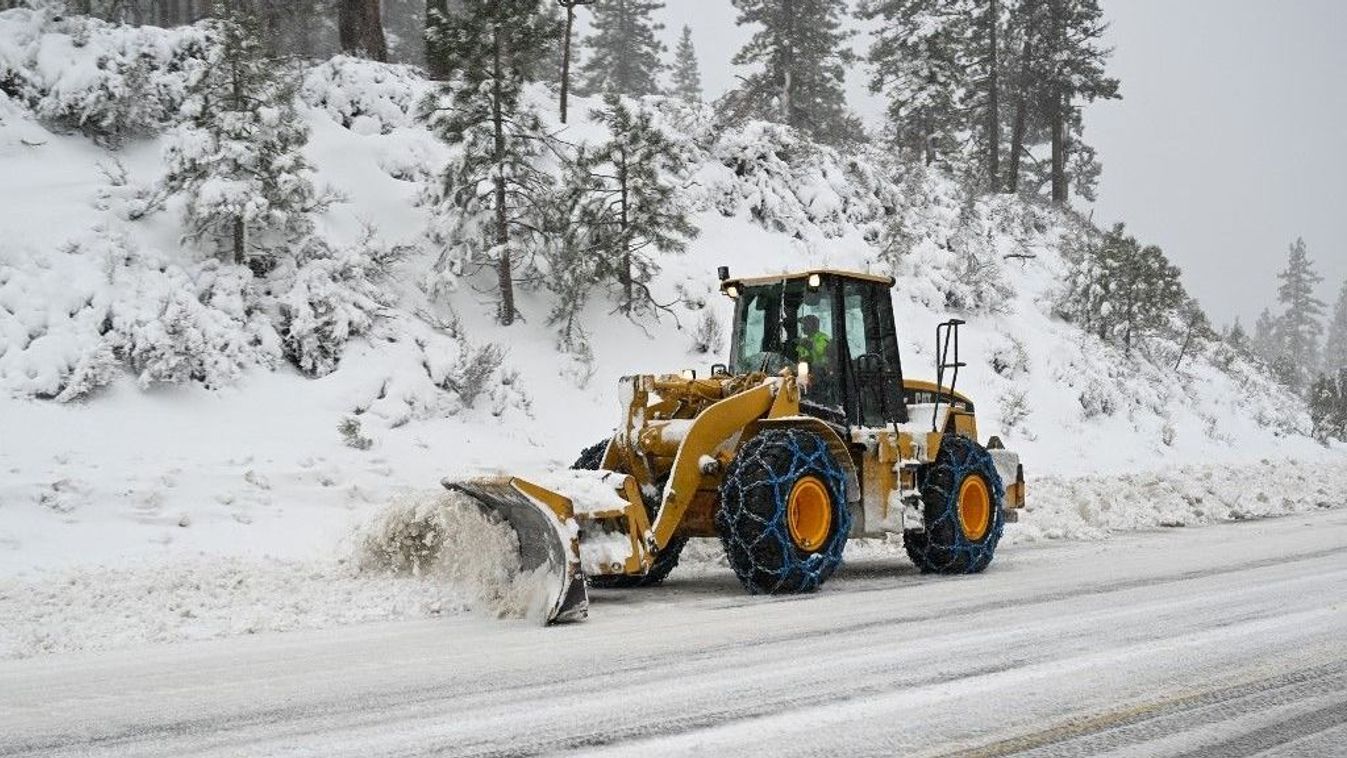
point(1230, 140)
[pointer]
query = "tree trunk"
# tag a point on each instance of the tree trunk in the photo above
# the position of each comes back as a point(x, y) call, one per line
point(627, 295)
point(1017, 143)
point(361, 29)
point(1058, 106)
point(1058, 116)
point(240, 240)
point(1183, 351)
point(993, 100)
point(566, 59)
point(1020, 124)
point(304, 28)
point(788, 65)
point(504, 274)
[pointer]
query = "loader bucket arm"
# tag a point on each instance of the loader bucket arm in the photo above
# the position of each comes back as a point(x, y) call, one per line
point(709, 431)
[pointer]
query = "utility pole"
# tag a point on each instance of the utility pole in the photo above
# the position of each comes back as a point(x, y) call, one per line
point(569, 5)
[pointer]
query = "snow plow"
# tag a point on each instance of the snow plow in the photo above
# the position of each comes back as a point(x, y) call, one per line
point(808, 436)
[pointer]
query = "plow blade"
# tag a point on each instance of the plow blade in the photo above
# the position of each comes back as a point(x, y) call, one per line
point(548, 540)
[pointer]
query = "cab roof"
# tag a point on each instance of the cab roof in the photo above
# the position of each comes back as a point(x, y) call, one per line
point(887, 281)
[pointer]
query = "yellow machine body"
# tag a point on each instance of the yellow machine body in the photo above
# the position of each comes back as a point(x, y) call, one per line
point(678, 434)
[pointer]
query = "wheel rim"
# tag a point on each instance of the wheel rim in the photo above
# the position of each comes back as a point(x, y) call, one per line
point(975, 508)
point(809, 514)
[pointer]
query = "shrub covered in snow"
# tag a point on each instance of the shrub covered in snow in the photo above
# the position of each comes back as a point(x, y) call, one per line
point(108, 81)
point(172, 327)
point(364, 96)
point(328, 296)
point(791, 185)
point(71, 321)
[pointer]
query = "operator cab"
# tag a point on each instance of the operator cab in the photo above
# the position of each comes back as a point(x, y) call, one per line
point(835, 330)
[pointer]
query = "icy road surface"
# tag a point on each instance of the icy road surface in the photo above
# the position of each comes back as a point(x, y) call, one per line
point(1223, 641)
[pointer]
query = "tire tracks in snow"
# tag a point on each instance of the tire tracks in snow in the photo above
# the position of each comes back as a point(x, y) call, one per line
point(1150, 721)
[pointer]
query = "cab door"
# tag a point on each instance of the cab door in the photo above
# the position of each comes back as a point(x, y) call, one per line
point(872, 367)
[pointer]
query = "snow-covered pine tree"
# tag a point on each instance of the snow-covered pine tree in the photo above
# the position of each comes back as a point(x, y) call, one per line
point(1335, 347)
point(238, 160)
point(1122, 291)
point(630, 207)
point(1194, 329)
point(624, 53)
point(918, 61)
point(1266, 342)
point(492, 194)
point(1326, 400)
point(1023, 46)
point(687, 76)
point(1149, 293)
point(1072, 71)
point(437, 58)
point(1300, 325)
point(574, 255)
point(1237, 338)
point(802, 50)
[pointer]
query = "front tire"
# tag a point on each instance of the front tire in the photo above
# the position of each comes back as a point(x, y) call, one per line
point(783, 516)
point(590, 459)
point(963, 499)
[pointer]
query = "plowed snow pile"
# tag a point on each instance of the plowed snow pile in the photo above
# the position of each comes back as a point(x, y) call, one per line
point(427, 554)
point(447, 537)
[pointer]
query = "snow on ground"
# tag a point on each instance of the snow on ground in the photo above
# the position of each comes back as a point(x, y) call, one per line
point(1214, 642)
point(177, 512)
point(415, 560)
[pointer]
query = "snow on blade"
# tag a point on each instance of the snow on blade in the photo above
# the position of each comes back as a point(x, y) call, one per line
point(447, 537)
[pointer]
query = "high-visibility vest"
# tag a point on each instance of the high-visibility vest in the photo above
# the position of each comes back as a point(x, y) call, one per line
point(813, 349)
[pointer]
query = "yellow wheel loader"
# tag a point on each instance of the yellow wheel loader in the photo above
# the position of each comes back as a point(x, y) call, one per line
point(810, 435)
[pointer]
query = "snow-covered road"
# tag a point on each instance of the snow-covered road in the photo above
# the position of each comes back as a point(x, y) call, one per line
point(1227, 640)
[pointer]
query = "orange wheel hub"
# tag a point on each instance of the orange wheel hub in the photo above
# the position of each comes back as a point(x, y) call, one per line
point(975, 508)
point(809, 514)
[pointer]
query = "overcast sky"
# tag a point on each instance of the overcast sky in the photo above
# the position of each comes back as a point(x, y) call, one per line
point(1230, 142)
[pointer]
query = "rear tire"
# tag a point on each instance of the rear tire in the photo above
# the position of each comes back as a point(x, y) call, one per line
point(772, 546)
point(591, 458)
point(963, 499)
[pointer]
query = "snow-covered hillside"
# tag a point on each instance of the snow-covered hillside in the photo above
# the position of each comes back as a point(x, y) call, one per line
point(149, 414)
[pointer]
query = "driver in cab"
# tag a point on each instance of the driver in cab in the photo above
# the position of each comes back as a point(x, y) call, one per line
point(812, 346)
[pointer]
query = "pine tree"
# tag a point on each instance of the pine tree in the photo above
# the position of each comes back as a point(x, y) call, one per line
point(238, 158)
point(1072, 71)
point(1335, 347)
point(629, 207)
point(1195, 329)
point(1266, 341)
point(1237, 338)
point(687, 77)
point(801, 48)
point(1300, 326)
point(493, 192)
point(1123, 291)
point(624, 54)
point(917, 61)
point(437, 58)
point(1327, 404)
